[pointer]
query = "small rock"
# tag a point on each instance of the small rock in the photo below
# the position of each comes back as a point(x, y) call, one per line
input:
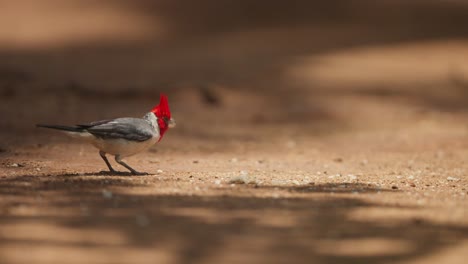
point(295, 182)
point(412, 184)
point(240, 179)
point(195, 161)
point(394, 187)
point(338, 160)
point(352, 177)
point(452, 179)
point(159, 171)
point(15, 165)
point(217, 182)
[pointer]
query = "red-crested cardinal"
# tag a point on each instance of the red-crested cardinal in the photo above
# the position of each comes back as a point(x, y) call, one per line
point(123, 137)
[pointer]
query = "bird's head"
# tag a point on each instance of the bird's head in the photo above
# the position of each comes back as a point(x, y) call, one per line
point(162, 112)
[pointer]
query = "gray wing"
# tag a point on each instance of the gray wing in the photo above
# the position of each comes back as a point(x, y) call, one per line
point(133, 129)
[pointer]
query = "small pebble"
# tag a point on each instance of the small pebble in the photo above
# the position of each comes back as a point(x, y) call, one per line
point(159, 171)
point(452, 179)
point(240, 179)
point(395, 187)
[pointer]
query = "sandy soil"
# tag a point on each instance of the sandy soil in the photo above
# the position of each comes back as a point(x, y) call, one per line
point(375, 183)
point(341, 143)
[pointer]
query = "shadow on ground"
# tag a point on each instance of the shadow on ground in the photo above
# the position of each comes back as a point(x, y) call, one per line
point(201, 229)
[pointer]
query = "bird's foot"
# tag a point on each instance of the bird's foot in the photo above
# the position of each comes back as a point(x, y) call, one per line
point(106, 172)
point(113, 172)
point(139, 173)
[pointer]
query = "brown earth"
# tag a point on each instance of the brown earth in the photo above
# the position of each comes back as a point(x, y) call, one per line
point(340, 143)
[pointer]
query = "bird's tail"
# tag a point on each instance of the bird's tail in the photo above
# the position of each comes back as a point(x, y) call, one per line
point(64, 128)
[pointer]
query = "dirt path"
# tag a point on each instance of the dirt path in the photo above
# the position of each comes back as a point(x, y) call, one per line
point(343, 189)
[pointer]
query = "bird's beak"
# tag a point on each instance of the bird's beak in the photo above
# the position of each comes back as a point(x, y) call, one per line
point(172, 123)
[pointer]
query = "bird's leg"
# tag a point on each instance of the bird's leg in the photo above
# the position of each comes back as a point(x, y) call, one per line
point(118, 159)
point(103, 156)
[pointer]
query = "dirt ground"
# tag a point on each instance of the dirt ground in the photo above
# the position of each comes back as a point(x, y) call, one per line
point(339, 144)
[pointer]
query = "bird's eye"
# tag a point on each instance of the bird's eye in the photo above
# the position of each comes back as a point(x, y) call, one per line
point(166, 120)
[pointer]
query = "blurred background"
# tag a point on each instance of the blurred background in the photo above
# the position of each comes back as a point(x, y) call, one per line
point(300, 63)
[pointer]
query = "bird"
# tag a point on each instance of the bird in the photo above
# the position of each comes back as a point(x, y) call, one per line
point(123, 137)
